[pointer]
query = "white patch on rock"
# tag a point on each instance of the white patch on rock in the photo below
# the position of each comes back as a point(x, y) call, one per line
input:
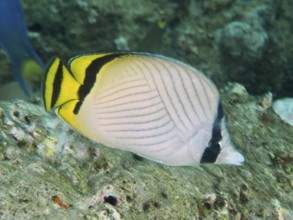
point(284, 108)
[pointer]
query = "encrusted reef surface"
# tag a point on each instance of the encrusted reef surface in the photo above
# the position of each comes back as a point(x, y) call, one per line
point(49, 171)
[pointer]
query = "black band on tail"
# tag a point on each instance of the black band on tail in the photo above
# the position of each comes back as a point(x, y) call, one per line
point(212, 151)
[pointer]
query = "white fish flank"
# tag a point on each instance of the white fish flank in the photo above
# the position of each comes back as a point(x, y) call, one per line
point(151, 106)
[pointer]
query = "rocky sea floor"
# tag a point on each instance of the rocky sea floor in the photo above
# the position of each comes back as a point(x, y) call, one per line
point(49, 171)
point(43, 160)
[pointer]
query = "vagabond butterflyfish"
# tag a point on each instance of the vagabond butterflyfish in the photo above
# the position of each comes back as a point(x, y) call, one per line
point(151, 105)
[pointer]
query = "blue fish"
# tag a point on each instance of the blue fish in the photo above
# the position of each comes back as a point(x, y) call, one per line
point(15, 41)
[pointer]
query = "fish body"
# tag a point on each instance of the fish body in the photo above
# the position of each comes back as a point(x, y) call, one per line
point(150, 105)
point(15, 41)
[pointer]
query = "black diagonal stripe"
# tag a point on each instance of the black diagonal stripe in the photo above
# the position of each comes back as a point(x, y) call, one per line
point(211, 153)
point(90, 76)
point(57, 84)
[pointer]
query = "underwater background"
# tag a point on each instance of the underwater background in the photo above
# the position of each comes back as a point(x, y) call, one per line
point(49, 171)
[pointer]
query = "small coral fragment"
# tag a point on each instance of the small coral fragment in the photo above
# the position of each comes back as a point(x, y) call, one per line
point(60, 203)
point(284, 108)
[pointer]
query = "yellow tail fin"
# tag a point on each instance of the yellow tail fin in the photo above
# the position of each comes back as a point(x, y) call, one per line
point(59, 86)
point(31, 70)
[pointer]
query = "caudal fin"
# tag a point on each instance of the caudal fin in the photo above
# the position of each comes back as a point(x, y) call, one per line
point(228, 154)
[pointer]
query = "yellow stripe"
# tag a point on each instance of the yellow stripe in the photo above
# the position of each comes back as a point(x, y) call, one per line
point(79, 64)
point(65, 112)
point(59, 86)
point(69, 88)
